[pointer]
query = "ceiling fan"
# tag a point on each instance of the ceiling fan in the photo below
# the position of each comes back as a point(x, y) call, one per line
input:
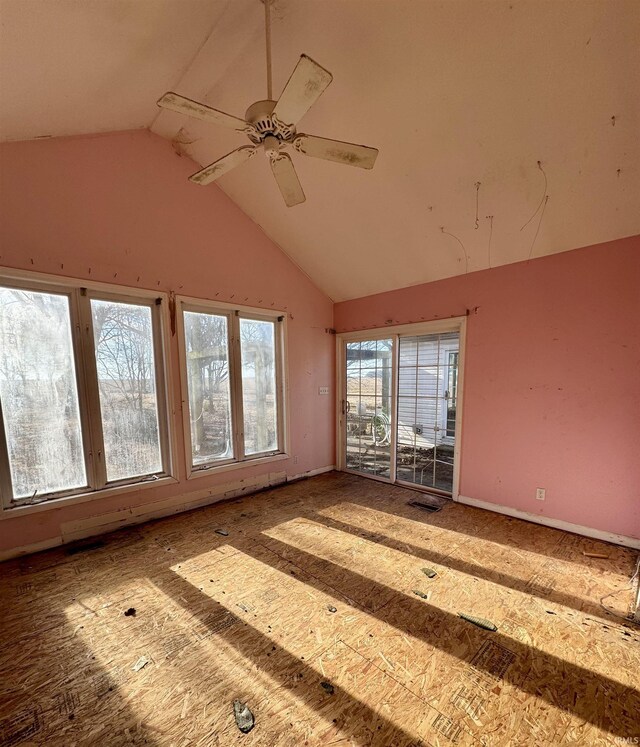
point(271, 127)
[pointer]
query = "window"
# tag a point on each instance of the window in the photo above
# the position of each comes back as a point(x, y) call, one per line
point(259, 408)
point(207, 366)
point(233, 385)
point(39, 394)
point(82, 394)
point(125, 361)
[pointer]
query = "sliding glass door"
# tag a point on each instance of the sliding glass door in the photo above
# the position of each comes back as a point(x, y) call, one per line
point(367, 406)
point(400, 406)
point(427, 384)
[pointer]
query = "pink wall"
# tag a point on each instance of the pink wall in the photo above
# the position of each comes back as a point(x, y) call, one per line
point(119, 209)
point(552, 393)
point(552, 379)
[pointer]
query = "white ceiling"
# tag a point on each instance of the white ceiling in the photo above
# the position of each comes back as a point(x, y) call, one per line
point(70, 67)
point(453, 93)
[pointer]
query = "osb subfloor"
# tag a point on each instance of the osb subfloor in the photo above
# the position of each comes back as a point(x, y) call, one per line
point(248, 616)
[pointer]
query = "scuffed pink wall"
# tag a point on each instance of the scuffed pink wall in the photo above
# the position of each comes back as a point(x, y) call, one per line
point(119, 209)
point(552, 379)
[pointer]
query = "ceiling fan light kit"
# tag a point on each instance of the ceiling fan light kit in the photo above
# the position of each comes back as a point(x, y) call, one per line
point(271, 127)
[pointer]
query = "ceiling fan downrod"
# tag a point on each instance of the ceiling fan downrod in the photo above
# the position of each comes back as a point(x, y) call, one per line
point(267, 32)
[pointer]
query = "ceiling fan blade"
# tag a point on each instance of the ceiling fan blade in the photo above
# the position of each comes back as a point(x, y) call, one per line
point(335, 150)
point(285, 174)
point(182, 105)
point(303, 89)
point(216, 169)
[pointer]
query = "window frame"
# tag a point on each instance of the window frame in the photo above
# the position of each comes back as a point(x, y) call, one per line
point(184, 384)
point(235, 312)
point(80, 293)
point(94, 389)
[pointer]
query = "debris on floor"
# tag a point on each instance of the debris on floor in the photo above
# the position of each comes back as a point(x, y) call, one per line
point(222, 532)
point(142, 662)
point(481, 622)
point(131, 612)
point(558, 670)
point(244, 718)
point(429, 572)
point(421, 594)
point(595, 555)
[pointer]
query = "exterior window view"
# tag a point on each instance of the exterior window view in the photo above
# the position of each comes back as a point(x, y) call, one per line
point(427, 385)
point(426, 375)
point(84, 413)
point(61, 439)
point(258, 356)
point(39, 394)
point(368, 406)
point(207, 358)
point(125, 363)
point(232, 389)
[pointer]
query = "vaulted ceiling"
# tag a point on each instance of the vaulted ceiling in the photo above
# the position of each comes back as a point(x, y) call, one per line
point(507, 129)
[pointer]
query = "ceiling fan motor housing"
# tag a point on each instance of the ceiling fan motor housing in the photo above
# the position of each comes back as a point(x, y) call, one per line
point(260, 116)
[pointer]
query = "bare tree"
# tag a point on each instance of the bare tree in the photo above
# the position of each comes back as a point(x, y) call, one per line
point(208, 375)
point(123, 337)
point(258, 368)
point(123, 355)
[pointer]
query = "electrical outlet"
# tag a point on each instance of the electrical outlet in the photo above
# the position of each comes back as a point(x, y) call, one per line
point(323, 390)
point(540, 493)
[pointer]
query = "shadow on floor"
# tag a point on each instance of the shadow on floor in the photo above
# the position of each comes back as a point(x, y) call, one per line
point(151, 551)
point(340, 710)
point(471, 569)
point(557, 673)
point(53, 688)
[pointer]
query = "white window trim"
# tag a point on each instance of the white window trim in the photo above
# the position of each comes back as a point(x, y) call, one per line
point(70, 500)
point(234, 312)
point(71, 286)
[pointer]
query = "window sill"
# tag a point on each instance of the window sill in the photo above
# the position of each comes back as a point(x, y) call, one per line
point(9, 512)
point(230, 466)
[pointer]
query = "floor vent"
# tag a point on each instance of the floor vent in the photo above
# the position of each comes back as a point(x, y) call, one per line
point(430, 507)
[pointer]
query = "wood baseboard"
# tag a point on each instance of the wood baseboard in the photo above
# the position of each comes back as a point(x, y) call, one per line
point(110, 522)
point(616, 539)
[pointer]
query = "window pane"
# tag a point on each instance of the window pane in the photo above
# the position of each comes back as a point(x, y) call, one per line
point(126, 377)
point(257, 347)
point(39, 393)
point(206, 340)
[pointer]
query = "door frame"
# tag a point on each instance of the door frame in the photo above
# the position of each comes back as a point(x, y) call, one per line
point(452, 324)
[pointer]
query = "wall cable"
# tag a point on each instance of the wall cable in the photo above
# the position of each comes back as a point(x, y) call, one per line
point(546, 199)
point(490, 219)
point(544, 195)
point(466, 256)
